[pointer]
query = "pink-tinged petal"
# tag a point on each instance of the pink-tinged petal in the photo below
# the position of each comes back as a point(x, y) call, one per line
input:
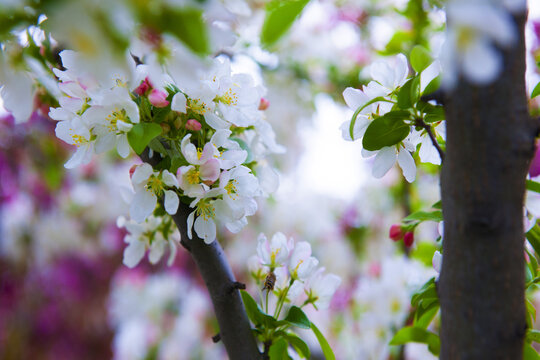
point(193, 125)
point(171, 202)
point(210, 170)
point(133, 253)
point(406, 162)
point(144, 203)
point(385, 159)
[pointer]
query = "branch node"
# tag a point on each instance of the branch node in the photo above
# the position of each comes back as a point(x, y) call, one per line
point(236, 286)
point(216, 338)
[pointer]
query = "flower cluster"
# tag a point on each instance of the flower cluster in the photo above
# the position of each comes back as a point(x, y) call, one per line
point(392, 121)
point(206, 136)
point(290, 272)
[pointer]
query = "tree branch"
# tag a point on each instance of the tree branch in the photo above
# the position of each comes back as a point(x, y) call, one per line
point(427, 127)
point(234, 327)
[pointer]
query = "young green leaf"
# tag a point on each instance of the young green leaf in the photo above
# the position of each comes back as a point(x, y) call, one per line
point(419, 335)
point(424, 315)
point(529, 353)
point(278, 350)
point(327, 350)
point(425, 216)
point(357, 112)
point(533, 185)
point(432, 86)
point(428, 291)
point(536, 91)
point(420, 58)
point(404, 95)
point(532, 335)
point(531, 313)
point(280, 15)
point(533, 237)
point(299, 345)
point(386, 130)
point(297, 318)
point(187, 24)
point(252, 309)
point(141, 134)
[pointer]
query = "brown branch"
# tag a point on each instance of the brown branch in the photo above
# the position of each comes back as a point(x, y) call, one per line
point(234, 327)
point(427, 127)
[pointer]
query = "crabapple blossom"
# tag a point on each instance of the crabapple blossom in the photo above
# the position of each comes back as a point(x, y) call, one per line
point(148, 185)
point(321, 287)
point(273, 253)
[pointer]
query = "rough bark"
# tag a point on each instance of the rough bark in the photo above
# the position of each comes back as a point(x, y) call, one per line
point(490, 141)
point(235, 329)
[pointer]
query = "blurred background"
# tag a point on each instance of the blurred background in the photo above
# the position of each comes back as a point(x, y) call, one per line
point(64, 292)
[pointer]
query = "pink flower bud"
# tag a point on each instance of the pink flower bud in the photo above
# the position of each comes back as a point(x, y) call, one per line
point(408, 238)
point(264, 104)
point(158, 98)
point(396, 233)
point(143, 88)
point(193, 125)
point(534, 168)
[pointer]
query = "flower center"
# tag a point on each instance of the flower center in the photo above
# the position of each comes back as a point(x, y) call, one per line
point(465, 36)
point(197, 106)
point(113, 118)
point(231, 189)
point(229, 98)
point(205, 209)
point(193, 176)
point(155, 184)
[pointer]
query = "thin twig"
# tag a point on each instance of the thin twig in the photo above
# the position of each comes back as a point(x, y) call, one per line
point(421, 123)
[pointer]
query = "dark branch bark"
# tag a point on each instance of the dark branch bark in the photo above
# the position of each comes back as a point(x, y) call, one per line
point(429, 131)
point(234, 327)
point(488, 149)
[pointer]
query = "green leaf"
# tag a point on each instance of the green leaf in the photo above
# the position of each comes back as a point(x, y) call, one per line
point(357, 112)
point(297, 318)
point(278, 349)
point(536, 91)
point(420, 58)
point(327, 350)
point(187, 24)
point(428, 291)
point(532, 335)
point(419, 335)
point(425, 216)
point(424, 316)
point(386, 130)
point(252, 309)
point(532, 185)
point(299, 345)
point(404, 95)
point(280, 15)
point(432, 86)
point(533, 237)
point(529, 353)
point(423, 252)
point(433, 113)
point(533, 263)
point(141, 134)
point(531, 313)
point(409, 93)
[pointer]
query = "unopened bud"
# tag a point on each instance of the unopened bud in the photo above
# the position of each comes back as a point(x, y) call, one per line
point(408, 238)
point(143, 88)
point(193, 125)
point(396, 233)
point(158, 98)
point(166, 127)
point(264, 104)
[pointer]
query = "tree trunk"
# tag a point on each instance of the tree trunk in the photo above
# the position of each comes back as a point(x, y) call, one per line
point(235, 329)
point(490, 141)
